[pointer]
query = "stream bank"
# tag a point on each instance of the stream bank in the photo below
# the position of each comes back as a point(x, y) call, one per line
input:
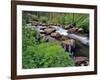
point(80, 44)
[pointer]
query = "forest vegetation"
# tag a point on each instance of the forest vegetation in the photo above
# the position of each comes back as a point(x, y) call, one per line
point(37, 51)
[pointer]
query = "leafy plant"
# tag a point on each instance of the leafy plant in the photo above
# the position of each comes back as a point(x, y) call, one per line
point(43, 19)
point(54, 54)
point(46, 55)
point(42, 54)
point(28, 37)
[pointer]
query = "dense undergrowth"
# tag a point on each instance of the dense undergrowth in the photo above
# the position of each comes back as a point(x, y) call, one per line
point(42, 54)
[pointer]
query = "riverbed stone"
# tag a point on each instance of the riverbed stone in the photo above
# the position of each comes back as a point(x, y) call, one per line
point(63, 38)
point(49, 30)
point(72, 30)
point(55, 35)
point(69, 42)
point(81, 61)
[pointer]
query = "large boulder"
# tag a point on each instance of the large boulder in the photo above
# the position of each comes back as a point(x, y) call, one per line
point(49, 30)
point(55, 35)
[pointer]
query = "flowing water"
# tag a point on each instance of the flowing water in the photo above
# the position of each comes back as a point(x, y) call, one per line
point(82, 43)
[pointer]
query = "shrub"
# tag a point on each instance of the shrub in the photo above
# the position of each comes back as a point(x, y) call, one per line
point(46, 55)
point(28, 37)
point(43, 19)
point(40, 53)
point(53, 55)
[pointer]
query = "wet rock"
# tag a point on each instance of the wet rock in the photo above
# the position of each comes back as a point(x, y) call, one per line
point(42, 28)
point(69, 42)
point(49, 30)
point(81, 61)
point(63, 38)
point(55, 35)
point(72, 30)
point(69, 26)
point(51, 39)
point(41, 31)
point(69, 46)
point(81, 30)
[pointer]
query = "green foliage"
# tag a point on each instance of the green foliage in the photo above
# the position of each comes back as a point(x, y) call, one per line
point(80, 20)
point(26, 18)
point(40, 53)
point(28, 37)
point(46, 55)
point(37, 51)
point(43, 19)
point(53, 55)
point(34, 17)
point(43, 39)
point(83, 21)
